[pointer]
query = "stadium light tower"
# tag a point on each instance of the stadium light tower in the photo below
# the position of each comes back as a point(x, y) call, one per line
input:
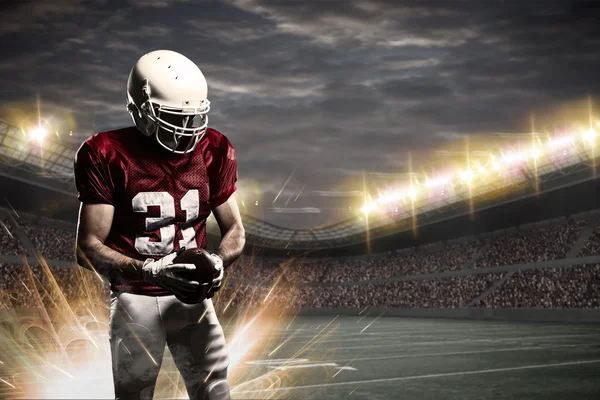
point(38, 133)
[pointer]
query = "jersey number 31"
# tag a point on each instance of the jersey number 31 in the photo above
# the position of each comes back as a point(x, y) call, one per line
point(189, 203)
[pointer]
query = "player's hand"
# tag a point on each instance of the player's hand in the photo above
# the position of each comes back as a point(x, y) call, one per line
point(167, 275)
point(219, 273)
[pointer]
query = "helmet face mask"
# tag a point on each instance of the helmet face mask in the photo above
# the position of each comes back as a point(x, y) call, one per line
point(178, 130)
point(168, 91)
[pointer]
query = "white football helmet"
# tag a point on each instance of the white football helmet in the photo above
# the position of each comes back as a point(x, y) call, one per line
point(167, 95)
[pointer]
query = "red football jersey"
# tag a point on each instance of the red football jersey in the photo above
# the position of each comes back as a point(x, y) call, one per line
point(161, 199)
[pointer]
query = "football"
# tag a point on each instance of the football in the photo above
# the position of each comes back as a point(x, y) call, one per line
point(204, 273)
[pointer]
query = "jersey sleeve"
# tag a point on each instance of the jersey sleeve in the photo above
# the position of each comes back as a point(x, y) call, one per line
point(92, 176)
point(225, 174)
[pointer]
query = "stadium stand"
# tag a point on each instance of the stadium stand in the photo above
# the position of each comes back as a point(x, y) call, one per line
point(9, 244)
point(53, 242)
point(510, 271)
point(505, 241)
point(592, 246)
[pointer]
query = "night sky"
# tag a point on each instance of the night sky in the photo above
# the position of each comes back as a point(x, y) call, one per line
point(335, 95)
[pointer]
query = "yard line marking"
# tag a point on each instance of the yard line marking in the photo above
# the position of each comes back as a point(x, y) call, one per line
point(344, 333)
point(295, 363)
point(299, 361)
point(456, 353)
point(306, 366)
point(442, 342)
point(406, 378)
point(330, 338)
point(500, 340)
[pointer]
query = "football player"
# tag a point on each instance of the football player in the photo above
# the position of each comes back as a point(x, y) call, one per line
point(146, 192)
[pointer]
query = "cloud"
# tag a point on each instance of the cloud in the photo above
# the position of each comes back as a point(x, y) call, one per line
point(336, 93)
point(150, 30)
point(381, 23)
point(229, 30)
point(125, 46)
point(155, 3)
point(39, 15)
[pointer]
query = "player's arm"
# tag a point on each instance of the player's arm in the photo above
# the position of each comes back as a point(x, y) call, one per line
point(95, 221)
point(233, 236)
point(96, 190)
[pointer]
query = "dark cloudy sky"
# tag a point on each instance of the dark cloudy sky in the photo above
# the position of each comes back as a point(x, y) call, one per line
point(331, 93)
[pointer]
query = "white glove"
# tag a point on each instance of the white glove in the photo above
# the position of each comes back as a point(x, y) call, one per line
point(219, 273)
point(165, 274)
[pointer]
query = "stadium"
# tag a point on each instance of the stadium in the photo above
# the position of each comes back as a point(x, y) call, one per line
point(484, 283)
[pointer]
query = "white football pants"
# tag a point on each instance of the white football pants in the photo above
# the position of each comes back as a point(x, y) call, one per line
point(140, 326)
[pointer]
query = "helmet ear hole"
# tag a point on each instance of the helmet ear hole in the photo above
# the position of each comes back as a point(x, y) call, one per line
point(149, 126)
point(132, 108)
point(141, 120)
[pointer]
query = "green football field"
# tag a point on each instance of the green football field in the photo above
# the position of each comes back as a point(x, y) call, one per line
point(397, 358)
point(342, 358)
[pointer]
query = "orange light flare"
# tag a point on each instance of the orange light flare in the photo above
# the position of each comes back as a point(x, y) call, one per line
point(318, 337)
point(39, 346)
point(7, 230)
point(372, 322)
point(8, 383)
point(249, 336)
point(88, 376)
point(276, 372)
point(49, 366)
point(249, 339)
point(272, 288)
point(281, 344)
point(256, 334)
point(57, 366)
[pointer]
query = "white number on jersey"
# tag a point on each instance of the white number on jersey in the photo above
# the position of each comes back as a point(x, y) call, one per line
point(190, 203)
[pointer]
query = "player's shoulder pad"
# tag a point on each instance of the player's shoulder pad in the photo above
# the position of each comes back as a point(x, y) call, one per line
point(103, 142)
point(218, 142)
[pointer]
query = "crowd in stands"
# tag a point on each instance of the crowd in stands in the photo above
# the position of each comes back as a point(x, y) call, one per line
point(34, 285)
point(572, 287)
point(450, 292)
point(551, 242)
point(592, 246)
point(293, 283)
point(420, 262)
point(53, 243)
point(9, 243)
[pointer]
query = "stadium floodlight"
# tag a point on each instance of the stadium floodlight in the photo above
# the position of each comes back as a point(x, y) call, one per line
point(368, 208)
point(590, 136)
point(439, 181)
point(38, 133)
point(561, 142)
point(467, 176)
